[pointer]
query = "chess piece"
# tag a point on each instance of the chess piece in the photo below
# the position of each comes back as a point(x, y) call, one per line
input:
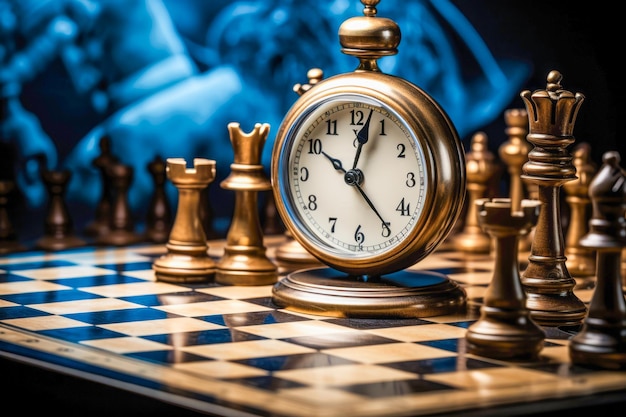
point(505, 329)
point(207, 214)
point(480, 167)
point(159, 216)
point(581, 261)
point(272, 223)
point(514, 153)
point(546, 280)
point(292, 256)
point(100, 225)
point(58, 233)
point(187, 258)
point(8, 237)
point(245, 261)
point(121, 230)
point(602, 340)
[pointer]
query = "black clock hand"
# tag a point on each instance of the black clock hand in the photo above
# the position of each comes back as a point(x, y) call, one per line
point(362, 137)
point(354, 179)
point(369, 202)
point(336, 162)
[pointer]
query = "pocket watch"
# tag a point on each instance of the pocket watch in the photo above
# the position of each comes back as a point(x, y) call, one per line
point(368, 175)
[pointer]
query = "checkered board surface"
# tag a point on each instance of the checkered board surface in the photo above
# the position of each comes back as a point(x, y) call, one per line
point(100, 311)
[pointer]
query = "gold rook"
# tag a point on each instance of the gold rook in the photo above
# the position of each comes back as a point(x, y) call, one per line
point(245, 261)
point(187, 259)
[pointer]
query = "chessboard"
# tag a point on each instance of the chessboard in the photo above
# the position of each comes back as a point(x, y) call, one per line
point(99, 314)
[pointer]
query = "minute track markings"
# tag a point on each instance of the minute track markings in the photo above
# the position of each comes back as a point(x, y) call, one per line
point(320, 198)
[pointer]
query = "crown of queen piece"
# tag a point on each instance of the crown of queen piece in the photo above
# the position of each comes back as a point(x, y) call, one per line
point(552, 111)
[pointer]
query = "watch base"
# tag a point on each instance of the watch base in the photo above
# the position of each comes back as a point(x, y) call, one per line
point(409, 293)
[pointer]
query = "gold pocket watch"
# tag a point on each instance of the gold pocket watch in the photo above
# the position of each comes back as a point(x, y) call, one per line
point(368, 175)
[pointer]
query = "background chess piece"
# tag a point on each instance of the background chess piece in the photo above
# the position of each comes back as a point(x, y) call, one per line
point(58, 225)
point(505, 329)
point(159, 215)
point(514, 154)
point(245, 261)
point(480, 168)
point(291, 255)
point(121, 230)
point(8, 237)
point(546, 280)
point(187, 258)
point(581, 261)
point(100, 224)
point(272, 223)
point(602, 340)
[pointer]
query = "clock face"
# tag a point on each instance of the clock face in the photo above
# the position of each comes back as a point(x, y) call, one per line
point(356, 177)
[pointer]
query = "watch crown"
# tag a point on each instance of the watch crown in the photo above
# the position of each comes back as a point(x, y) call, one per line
point(369, 37)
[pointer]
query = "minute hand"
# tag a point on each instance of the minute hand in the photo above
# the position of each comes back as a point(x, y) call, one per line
point(362, 137)
point(369, 203)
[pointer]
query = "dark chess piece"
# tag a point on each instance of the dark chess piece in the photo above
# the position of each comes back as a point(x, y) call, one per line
point(100, 225)
point(546, 280)
point(121, 231)
point(8, 237)
point(159, 215)
point(58, 233)
point(581, 261)
point(602, 340)
point(505, 329)
point(207, 214)
point(480, 168)
point(187, 258)
point(245, 261)
point(272, 223)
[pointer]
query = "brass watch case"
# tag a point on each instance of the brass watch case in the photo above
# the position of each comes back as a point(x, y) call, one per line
point(444, 169)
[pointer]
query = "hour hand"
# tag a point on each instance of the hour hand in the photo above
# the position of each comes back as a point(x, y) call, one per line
point(336, 162)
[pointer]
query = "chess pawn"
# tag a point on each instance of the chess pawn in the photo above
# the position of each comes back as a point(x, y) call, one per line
point(121, 225)
point(505, 329)
point(546, 280)
point(581, 261)
point(158, 218)
point(58, 233)
point(100, 225)
point(480, 168)
point(602, 340)
point(514, 153)
point(187, 258)
point(8, 237)
point(245, 261)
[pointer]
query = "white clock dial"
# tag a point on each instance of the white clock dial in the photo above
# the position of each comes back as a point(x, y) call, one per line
point(357, 176)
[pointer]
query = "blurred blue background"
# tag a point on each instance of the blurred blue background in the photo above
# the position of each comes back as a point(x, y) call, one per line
point(165, 77)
